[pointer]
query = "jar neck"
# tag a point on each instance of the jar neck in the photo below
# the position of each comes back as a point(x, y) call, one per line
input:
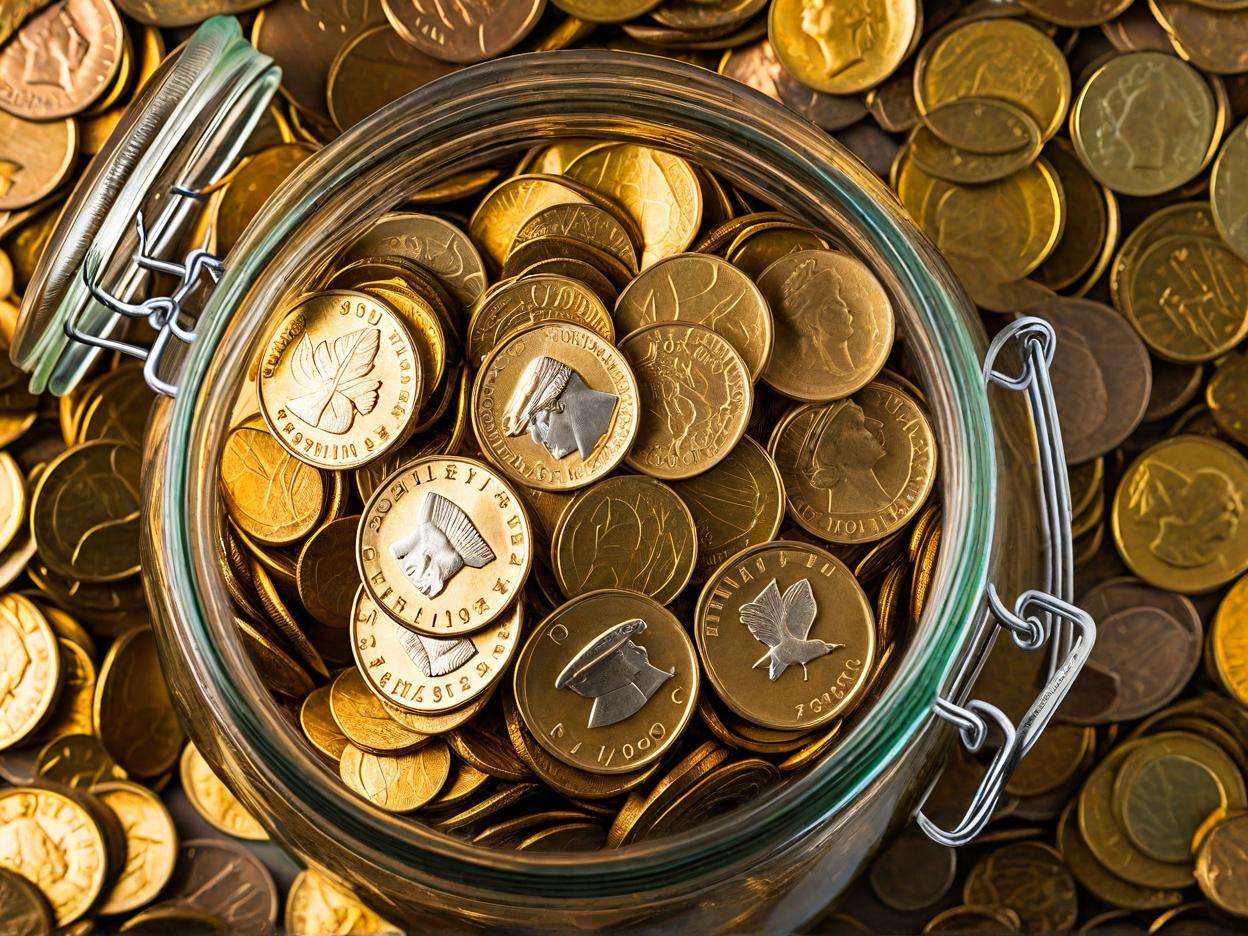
point(472, 118)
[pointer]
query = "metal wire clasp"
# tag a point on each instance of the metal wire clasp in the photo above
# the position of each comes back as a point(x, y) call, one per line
point(164, 314)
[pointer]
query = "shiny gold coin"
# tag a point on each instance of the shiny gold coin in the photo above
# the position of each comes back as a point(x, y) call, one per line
point(759, 246)
point(316, 906)
point(31, 675)
point(464, 33)
point(118, 407)
point(634, 669)
point(520, 303)
point(724, 789)
point(282, 674)
point(35, 158)
point(1228, 641)
point(466, 781)
point(659, 190)
point(1178, 515)
point(628, 532)
point(1087, 247)
point(327, 576)
point(373, 69)
point(506, 208)
point(1144, 149)
point(1218, 861)
point(606, 11)
point(360, 716)
point(590, 224)
point(696, 395)
point(151, 845)
point(12, 499)
point(274, 497)
point(214, 801)
point(28, 913)
point(753, 624)
point(840, 51)
point(555, 407)
point(85, 510)
point(73, 713)
point(78, 761)
point(340, 380)
point(953, 164)
point(444, 546)
point(317, 721)
point(249, 187)
point(856, 470)
point(39, 823)
point(701, 289)
point(429, 675)
point(134, 715)
point(834, 325)
point(401, 783)
point(437, 724)
point(279, 616)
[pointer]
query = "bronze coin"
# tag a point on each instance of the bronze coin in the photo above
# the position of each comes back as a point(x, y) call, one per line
point(913, 872)
point(464, 32)
point(227, 881)
point(1030, 879)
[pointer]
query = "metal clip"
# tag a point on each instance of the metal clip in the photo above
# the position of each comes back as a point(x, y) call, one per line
point(164, 314)
point(1038, 615)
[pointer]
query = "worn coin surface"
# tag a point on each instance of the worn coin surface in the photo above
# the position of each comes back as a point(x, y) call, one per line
point(607, 682)
point(913, 872)
point(327, 574)
point(27, 911)
point(365, 719)
point(464, 32)
point(374, 68)
point(776, 610)
point(1220, 856)
point(1030, 879)
point(151, 845)
point(400, 783)
point(226, 881)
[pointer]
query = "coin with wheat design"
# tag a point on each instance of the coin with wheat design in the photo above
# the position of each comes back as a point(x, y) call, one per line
point(444, 546)
point(786, 635)
point(340, 380)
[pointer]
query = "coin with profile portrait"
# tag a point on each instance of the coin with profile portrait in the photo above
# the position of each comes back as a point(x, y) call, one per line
point(833, 325)
point(858, 469)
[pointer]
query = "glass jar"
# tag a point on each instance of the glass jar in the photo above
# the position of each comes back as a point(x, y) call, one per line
point(771, 865)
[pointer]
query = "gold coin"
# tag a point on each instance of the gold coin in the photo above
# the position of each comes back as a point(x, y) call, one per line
point(506, 208)
point(328, 578)
point(332, 391)
point(118, 407)
point(628, 532)
point(759, 246)
point(281, 673)
point(748, 619)
point(1085, 248)
point(1188, 297)
point(31, 661)
point(834, 324)
point(696, 394)
point(701, 289)
point(77, 761)
point(274, 497)
point(960, 120)
point(151, 845)
point(429, 675)
point(1098, 881)
point(606, 11)
point(484, 744)
point(841, 50)
point(1139, 148)
point(1227, 193)
point(12, 499)
point(134, 715)
point(569, 407)
point(438, 724)
point(464, 33)
point(85, 512)
point(1178, 515)
point(724, 789)
point(373, 69)
point(1227, 396)
point(449, 559)
point(465, 782)
point(174, 916)
point(1228, 640)
point(28, 913)
point(1218, 862)
point(39, 824)
point(856, 470)
point(35, 158)
point(659, 190)
point(214, 801)
point(640, 810)
point(73, 713)
point(531, 300)
point(316, 906)
point(590, 224)
point(279, 616)
point(634, 669)
point(402, 783)
point(250, 186)
point(503, 798)
point(317, 721)
point(367, 724)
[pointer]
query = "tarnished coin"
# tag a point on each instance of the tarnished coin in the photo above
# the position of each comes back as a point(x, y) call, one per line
point(556, 407)
point(838, 51)
point(724, 789)
point(1085, 249)
point(1227, 190)
point(1098, 881)
point(429, 675)
point(1178, 515)
point(151, 845)
point(606, 11)
point(913, 872)
point(834, 325)
point(61, 60)
point(118, 408)
point(213, 800)
point(506, 208)
point(274, 497)
point(340, 380)
point(227, 881)
point(1213, 39)
point(78, 760)
point(35, 158)
point(315, 905)
point(85, 512)
point(629, 532)
point(26, 909)
point(373, 69)
point(701, 289)
point(972, 919)
point(520, 303)
point(134, 715)
point(1218, 861)
point(953, 164)
point(608, 682)
point(40, 823)
point(444, 546)
point(856, 470)
point(1227, 396)
point(31, 669)
point(171, 915)
point(738, 503)
point(754, 624)
point(464, 32)
point(696, 395)
point(401, 783)
point(1030, 879)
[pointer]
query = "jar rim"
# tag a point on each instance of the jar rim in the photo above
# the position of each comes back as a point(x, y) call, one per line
point(519, 101)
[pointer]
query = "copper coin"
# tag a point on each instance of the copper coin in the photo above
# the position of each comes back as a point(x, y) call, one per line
point(466, 31)
point(227, 881)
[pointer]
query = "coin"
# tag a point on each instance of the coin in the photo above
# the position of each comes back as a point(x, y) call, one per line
point(629, 660)
point(724, 789)
point(214, 801)
point(834, 325)
point(1211, 39)
point(1177, 515)
point(250, 186)
point(402, 783)
point(590, 224)
point(31, 669)
point(695, 392)
point(85, 512)
point(181, 915)
point(227, 881)
point(54, 842)
point(1227, 396)
point(35, 158)
point(367, 724)
point(331, 391)
point(1216, 862)
point(506, 208)
point(12, 499)
point(73, 711)
point(1030, 879)
point(570, 407)
point(1096, 879)
point(373, 69)
point(464, 33)
point(78, 760)
point(952, 164)
point(529, 300)
point(1085, 249)
point(317, 721)
point(133, 713)
point(606, 11)
point(840, 51)
point(274, 497)
point(151, 845)
point(27, 910)
point(317, 905)
point(913, 872)
point(327, 575)
point(768, 598)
